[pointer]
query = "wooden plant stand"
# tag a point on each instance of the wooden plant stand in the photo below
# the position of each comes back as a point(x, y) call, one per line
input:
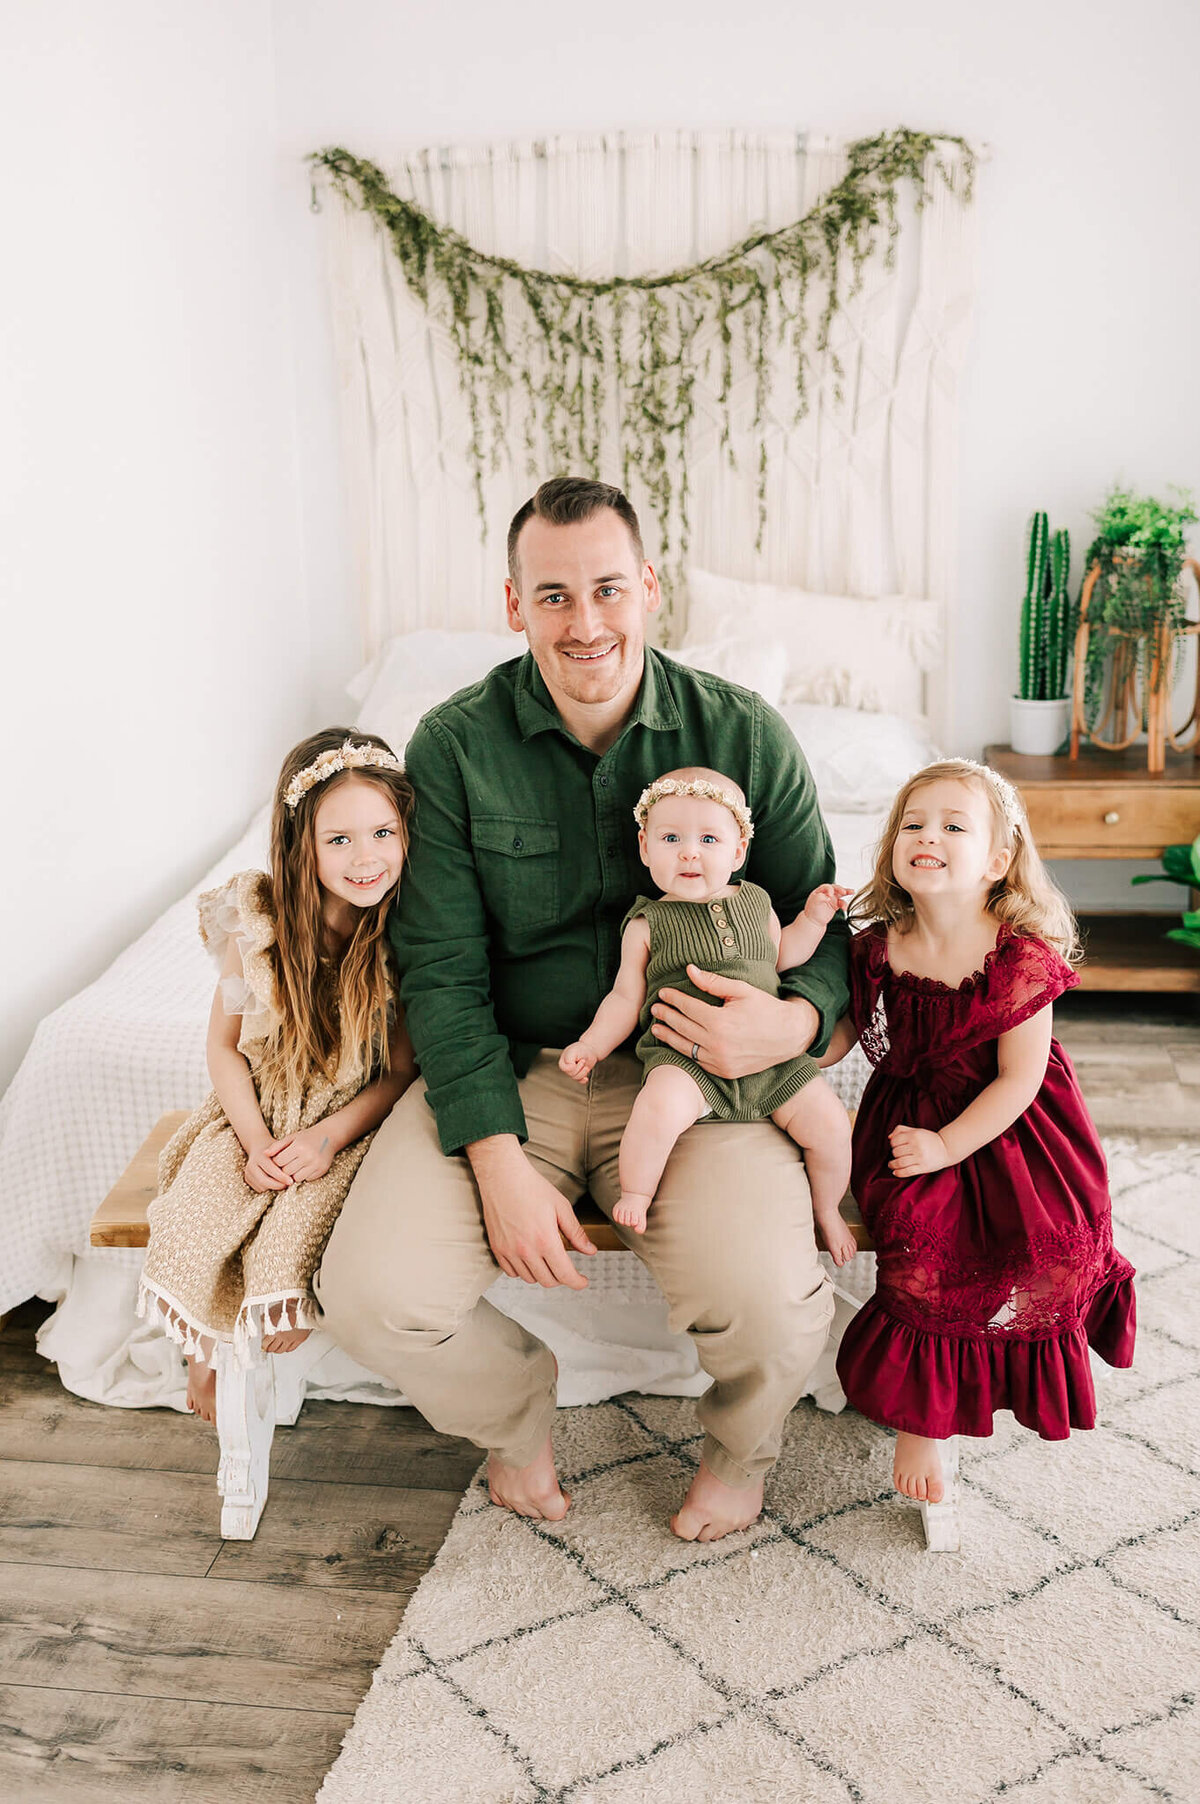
point(252, 1399)
point(1133, 707)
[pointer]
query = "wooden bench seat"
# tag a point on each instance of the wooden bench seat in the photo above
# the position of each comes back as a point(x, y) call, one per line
point(251, 1400)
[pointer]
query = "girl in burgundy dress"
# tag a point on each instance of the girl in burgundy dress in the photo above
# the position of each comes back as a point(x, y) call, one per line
point(976, 1164)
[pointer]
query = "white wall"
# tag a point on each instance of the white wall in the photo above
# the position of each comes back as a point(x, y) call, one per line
point(1085, 364)
point(172, 544)
point(155, 656)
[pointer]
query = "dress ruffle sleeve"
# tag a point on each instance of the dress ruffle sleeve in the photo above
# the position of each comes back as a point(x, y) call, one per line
point(241, 910)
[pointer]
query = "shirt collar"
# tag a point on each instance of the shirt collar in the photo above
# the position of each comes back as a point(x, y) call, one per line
point(654, 708)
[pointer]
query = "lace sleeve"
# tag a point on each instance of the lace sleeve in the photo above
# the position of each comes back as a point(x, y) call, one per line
point(867, 1010)
point(241, 910)
point(1024, 976)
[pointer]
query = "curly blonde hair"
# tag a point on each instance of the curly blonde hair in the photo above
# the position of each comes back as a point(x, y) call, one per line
point(1026, 897)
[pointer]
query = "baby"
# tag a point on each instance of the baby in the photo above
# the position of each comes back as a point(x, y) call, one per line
point(694, 833)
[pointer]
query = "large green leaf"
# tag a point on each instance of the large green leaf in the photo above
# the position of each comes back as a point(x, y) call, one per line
point(1186, 936)
point(1181, 864)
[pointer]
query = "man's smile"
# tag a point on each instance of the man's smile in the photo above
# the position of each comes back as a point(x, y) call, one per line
point(589, 657)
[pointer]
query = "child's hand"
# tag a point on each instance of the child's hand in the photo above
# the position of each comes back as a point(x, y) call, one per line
point(916, 1150)
point(262, 1173)
point(577, 1060)
point(825, 902)
point(305, 1155)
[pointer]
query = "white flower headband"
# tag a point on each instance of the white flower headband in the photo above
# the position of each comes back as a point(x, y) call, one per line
point(343, 757)
point(708, 792)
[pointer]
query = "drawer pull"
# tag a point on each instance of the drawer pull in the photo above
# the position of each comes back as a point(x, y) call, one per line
point(1111, 818)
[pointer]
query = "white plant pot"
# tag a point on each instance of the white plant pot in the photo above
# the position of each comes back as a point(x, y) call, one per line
point(1039, 727)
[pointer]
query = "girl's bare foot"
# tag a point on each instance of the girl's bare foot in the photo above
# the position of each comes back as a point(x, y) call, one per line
point(202, 1390)
point(712, 1508)
point(917, 1470)
point(287, 1342)
point(631, 1211)
point(839, 1241)
point(531, 1490)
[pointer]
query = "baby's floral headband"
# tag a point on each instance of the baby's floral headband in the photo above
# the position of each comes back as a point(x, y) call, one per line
point(343, 757)
point(708, 792)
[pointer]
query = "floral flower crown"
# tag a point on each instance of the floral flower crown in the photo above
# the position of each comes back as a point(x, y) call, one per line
point(1010, 801)
point(709, 792)
point(342, 757)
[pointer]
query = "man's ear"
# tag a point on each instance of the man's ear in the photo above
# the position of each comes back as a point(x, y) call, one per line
point(512, 606)
point(650, 588)
point(642, 845)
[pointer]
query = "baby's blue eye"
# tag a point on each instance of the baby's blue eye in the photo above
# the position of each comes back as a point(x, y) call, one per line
point(670, 838)
point(708, 839)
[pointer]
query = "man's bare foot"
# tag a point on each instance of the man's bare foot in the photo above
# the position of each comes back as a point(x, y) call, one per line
point(712, 1508)
point(631, 1211)
point(839, 1240)
point(531, 1490)
point(917, 1470)
point(202, 1390)
point(287, 1342)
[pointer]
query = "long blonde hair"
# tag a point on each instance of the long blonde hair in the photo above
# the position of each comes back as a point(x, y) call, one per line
point(1026, 897)
point(329, 1008)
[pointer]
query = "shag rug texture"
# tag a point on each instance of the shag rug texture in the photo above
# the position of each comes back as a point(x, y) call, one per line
point(823, 1655)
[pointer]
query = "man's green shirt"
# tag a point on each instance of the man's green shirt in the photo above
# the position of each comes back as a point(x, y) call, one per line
point(524, 861)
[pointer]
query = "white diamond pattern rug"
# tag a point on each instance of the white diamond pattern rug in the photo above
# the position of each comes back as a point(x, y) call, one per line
point(823, 1656)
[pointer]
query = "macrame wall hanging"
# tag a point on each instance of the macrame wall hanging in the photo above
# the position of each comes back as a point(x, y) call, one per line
point(617, 373)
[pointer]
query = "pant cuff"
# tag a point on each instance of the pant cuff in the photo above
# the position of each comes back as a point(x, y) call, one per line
point(726, 1469)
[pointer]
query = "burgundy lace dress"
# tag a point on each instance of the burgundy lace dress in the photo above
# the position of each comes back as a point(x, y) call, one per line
point(994, 1274)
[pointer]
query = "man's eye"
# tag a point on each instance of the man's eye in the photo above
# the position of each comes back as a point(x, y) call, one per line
point(551, 600)
point(609, 590)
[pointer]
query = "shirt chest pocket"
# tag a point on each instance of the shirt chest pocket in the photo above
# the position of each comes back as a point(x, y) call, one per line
point(517, 860)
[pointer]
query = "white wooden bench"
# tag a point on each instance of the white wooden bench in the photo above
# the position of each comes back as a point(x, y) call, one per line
point(252, 1399)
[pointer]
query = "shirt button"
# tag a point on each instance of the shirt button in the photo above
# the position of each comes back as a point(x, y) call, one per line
point(517, 844)
point(604, 782)
point(610, 851)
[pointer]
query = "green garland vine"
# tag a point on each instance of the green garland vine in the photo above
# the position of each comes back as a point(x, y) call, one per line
point(568, 344)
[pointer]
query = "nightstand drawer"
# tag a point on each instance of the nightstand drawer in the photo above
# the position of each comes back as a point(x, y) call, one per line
point(1104, 820)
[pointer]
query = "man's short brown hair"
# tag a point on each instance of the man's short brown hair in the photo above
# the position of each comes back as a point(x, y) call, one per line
point(564, 500)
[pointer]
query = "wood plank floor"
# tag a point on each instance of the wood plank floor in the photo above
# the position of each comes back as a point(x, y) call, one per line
point(143, 1658)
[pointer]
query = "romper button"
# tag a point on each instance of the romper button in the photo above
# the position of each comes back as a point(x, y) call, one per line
point(716, 907)
point(517, 844)
point(728, 940)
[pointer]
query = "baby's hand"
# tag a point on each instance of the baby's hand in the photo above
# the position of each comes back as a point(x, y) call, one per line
point(305, 1155)
point(825, 902)
point(916, 1150)
point(577, 1060)
point(262, 1173)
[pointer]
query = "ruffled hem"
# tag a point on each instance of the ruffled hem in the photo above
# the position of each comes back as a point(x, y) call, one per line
point(944, 1384)
point(1111, 1317)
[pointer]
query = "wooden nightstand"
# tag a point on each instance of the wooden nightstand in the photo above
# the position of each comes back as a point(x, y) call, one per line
point(1107, 805)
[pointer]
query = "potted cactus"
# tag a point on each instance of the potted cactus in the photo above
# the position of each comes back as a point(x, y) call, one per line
point(1041, 710)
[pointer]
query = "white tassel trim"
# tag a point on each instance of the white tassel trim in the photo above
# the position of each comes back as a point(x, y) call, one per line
point(196, 1340)
point(259, 1317)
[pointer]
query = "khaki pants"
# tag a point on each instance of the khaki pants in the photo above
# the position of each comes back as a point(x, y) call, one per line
point(729, 1241)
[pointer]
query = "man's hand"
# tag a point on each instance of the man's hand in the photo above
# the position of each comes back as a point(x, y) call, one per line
point(917, 1150)
point(747, 1034)
point(525, 1217)
point(577, 1061)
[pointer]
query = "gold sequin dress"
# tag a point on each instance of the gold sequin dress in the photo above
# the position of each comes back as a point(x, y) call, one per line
point(225, 1262)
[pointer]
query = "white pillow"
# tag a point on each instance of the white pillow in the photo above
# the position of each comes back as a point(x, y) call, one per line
point(842, 650)
point(759, 664)
point(858, 760)
point(416, 671)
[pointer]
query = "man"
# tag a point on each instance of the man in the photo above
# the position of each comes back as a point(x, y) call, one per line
point(522, 866)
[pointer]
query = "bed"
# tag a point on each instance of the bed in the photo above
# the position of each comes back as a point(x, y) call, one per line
point(104, 1066)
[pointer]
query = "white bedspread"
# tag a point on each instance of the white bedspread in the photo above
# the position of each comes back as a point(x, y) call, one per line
point(105, 1066)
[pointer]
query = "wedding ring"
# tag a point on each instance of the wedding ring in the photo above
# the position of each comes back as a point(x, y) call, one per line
point(696, 1049)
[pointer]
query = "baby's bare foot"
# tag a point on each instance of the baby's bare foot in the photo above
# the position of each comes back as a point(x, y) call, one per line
point(712, 1508)
point(836, 1235)
point(202, 1390)
point(287, 1342)
point(917, 1469)
point(531, 1490)
point(631, 1211)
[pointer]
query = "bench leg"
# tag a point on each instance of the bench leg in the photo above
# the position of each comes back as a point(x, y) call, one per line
point(245, 1426)
point(943, 1530)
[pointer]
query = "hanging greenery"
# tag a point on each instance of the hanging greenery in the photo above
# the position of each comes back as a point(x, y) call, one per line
point(631, 348)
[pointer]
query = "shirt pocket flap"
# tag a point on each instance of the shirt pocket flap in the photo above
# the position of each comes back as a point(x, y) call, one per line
point(515, 836)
